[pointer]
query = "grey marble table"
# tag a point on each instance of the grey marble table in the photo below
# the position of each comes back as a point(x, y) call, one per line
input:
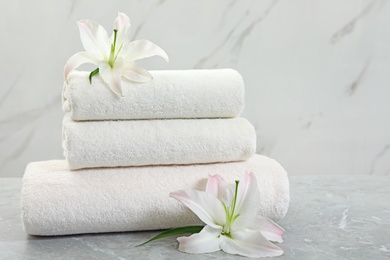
point(330, 217)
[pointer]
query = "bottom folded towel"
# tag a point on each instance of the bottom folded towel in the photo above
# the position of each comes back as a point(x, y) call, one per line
point(57, 201)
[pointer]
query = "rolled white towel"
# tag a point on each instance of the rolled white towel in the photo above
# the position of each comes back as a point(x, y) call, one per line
point(171, 94)
point(92, 144)
point(56, 201)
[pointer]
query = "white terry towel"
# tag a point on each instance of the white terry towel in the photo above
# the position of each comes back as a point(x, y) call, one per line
point(56, 201)
point(171, 94)
point(91, 144)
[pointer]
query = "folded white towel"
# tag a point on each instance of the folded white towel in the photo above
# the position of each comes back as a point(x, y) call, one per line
point(56, 201)
point(89, 144)
point(171, 94)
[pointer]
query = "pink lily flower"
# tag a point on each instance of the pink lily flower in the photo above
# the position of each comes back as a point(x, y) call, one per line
point(232, 223)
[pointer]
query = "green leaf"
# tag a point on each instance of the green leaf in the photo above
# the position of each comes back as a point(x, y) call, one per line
point(176, 231)
point(93, 73)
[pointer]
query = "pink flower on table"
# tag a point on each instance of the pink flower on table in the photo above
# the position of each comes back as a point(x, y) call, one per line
point(232, 223)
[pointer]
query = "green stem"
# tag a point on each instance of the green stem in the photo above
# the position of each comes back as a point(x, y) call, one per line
point(120, 48)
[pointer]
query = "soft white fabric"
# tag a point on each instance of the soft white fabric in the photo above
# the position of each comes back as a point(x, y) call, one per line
point(171, 94)
point(56, 201)
point(89, 144)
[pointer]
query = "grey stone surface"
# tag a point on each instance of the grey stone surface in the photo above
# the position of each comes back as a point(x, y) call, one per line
point(330, 217)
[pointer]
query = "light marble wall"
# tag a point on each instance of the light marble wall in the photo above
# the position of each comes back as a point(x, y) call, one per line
point(317, 72)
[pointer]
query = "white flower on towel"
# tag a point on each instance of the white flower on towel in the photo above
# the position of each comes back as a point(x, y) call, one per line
point(232, 223)
point(114, 56)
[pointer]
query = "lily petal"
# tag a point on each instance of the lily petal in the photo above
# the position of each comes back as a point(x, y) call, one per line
point(270, 230)
point(122, 24)
point(216, 186)
point(249, 243)
point(94, 38)
point(247, 196)
point(112, 76)
point(206, 241)
point(207, 207)
point(76, 60)
point(141, 49)
point(136, 73)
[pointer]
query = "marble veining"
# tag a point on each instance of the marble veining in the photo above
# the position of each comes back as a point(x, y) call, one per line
point(202, 63)
point(146, 17)
point(24, 119)
point(238, 45)
point(351, 25)
point(316, 73)
point(382, 154)
point(72, 7)
point(354, 85)
point(94, 247)
point(311, 120)
point(234, 43)
point(10, 87)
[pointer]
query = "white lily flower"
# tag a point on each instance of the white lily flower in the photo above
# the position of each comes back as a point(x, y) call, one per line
point(115, 56)
point(232, 223)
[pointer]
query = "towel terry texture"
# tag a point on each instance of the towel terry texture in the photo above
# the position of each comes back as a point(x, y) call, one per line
point(56, 201)
point(90, 144)
point(171, 94)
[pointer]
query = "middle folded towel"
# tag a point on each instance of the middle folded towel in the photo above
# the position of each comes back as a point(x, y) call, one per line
point(156, 142)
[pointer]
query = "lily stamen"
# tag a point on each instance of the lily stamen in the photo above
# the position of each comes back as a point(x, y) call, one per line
point(112, 58)
point(230, 213)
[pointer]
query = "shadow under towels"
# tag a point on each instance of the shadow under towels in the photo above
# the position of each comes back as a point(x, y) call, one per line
point(90, 144)
point(171, 94)
point(57, 201)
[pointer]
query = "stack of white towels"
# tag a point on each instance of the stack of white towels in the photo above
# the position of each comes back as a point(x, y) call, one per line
point(124, 155)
